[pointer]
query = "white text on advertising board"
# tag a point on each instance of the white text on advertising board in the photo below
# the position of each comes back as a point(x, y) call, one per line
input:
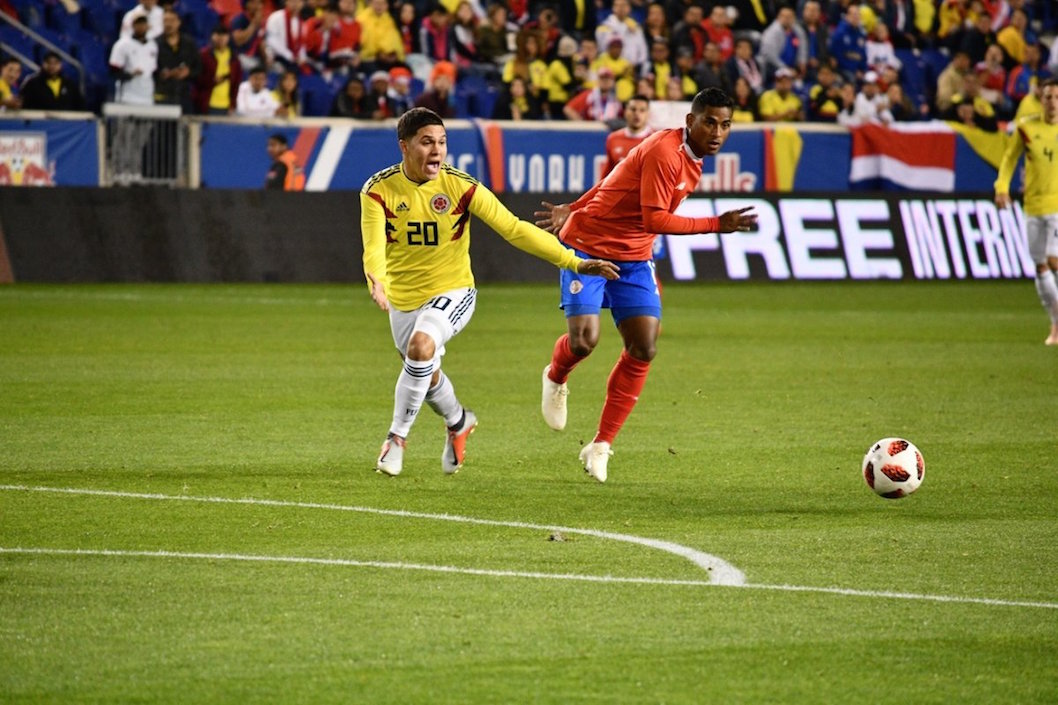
point(858, 238)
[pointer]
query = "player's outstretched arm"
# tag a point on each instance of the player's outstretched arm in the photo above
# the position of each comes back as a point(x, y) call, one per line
point(598, 268)
point(737, 220)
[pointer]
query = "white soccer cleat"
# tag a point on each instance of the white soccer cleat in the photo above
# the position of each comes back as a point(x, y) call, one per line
point(456, 444)
point(595, 456)
point(391, 459)
point(553, 402)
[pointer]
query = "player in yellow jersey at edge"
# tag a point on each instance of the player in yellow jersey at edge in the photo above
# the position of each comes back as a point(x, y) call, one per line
point(415, 222)
point(1037, 137)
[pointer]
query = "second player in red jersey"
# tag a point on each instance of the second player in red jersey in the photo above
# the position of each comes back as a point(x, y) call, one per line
point(620, 143)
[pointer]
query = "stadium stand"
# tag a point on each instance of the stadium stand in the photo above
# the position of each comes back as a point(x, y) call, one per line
point(27, 29)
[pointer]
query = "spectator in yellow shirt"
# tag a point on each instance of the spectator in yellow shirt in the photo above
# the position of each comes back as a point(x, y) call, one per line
point(560, 81)
point(1012, 37)
point(621, 67)
point(378, 32)
point(10, 71)
point(527, 65)
point(781, 104)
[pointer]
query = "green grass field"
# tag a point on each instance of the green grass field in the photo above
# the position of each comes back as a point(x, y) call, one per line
point(746, 445)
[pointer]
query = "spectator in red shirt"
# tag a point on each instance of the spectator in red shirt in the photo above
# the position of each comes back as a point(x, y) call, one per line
point(331, 41)
point(620, 142)
point(719, 31)
point(599, 103)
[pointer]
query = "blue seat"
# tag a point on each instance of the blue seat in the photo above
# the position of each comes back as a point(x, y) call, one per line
point(58, 19)
point(94, 57)
point(317, 96)
point(18, 41)
point(99, 18)
point(484, 102)
point(199, 20)
point(416, 88)
point(461, 103)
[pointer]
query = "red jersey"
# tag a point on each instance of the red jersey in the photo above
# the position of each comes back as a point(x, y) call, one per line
point(723, 37)
point(620, 216)
point(619, 143)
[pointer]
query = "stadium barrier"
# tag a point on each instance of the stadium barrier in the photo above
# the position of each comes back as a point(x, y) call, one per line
point(45, 149)
point(158, 234)
point(536, 157)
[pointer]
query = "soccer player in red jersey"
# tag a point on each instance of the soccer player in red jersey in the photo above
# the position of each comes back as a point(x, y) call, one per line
point(618, 219)
point(620, 142)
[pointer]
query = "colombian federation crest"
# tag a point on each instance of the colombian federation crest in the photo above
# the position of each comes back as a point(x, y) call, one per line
point(575, 287)
point(440, 204)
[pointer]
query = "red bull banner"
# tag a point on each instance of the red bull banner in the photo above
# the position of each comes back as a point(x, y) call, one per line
point(49, 152)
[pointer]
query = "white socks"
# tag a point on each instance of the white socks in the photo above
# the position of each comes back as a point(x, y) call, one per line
point(442, 399)
point(1048, 291)
point(412, 386)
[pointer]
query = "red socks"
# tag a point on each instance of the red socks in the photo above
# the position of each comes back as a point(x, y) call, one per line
point(622, 392)
point(622, 389)
point(562, 361)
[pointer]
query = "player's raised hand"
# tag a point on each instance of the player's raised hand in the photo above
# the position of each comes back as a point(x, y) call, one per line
point(552, 217)
point(378, 293)
point(598, 268)
point(738, 220)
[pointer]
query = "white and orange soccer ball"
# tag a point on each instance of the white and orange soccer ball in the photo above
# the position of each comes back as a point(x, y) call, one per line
point(893, 468)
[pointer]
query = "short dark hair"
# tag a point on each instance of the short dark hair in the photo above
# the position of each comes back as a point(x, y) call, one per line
point(50, 54)
point(416, 119)
point(640, 97)
point(10, 60)
point(711, 98)
point(259, 68)
point(1047, 83)
point(279, 137)
point(221, 28)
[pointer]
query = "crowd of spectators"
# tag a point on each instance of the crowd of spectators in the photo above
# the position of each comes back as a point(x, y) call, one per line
point(973, 61)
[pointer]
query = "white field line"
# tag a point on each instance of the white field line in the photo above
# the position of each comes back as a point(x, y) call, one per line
point(385, 565)
point(720, 571)
point(351, 563)
point(661, 545)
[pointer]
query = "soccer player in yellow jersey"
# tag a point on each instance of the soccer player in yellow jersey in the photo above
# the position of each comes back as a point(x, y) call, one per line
point(1037, 137)
point(415, 219)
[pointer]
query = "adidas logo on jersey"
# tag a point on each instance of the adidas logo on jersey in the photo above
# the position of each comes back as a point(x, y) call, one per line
point(403, 207)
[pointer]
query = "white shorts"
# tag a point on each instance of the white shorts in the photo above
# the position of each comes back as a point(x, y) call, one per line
point(441, 318)
point(1042, 234)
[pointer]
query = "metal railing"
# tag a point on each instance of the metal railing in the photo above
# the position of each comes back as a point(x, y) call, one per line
point(11, 51)
point(36, 37)
point(145, 144)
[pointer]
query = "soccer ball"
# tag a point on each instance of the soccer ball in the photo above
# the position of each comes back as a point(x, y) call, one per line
point(893, 468)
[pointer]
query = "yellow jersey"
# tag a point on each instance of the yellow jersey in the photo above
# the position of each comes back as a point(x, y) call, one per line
point(558, 78)
point(772, 103)
point(538, 82)
point(1038, 140)
point(417, 236)
point(220, 97)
